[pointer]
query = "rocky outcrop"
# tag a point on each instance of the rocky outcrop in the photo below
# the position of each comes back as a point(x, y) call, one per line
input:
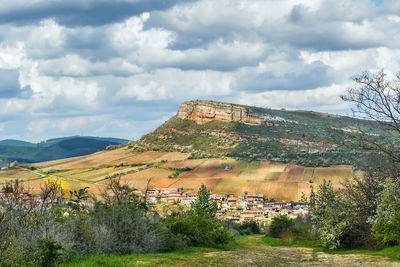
point(205, 111)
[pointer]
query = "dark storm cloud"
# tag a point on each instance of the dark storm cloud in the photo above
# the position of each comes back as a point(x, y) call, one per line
point(93, 12)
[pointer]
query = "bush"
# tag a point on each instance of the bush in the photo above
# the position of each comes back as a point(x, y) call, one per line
point(389, 232)
point(281, 225)
point(190, 229)
point(47, 252)
point(199, 226)
point(249, 228)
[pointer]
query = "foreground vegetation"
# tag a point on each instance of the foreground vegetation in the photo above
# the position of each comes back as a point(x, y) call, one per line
point(224, 255)
point(42, 234)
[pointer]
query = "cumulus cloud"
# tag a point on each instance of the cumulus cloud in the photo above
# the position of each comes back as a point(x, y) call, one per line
point(122, 67)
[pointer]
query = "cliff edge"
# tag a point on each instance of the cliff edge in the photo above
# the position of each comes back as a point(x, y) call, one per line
point(201, 111)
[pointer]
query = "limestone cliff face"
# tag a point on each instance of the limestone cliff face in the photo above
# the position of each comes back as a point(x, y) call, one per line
point(205, 111)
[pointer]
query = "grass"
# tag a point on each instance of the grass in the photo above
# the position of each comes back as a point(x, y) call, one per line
point(197, 255)
point(178, 256)
point(392, 253)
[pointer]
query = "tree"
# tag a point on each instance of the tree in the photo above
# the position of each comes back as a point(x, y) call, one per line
point(199, 226)
point(280, 225)
point(353, 215)
point(202, 205)
point(377, 98)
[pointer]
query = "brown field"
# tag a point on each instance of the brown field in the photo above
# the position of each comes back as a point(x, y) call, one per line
point(139, 179)
point(14, 174)
point(34, 186)
point(210, 183)
point(308, 173)
point(145, 157)
point(172, 156)
point(295, 174)
point(286, 191)
point(231, 185)
point(209, 169)
point(55, 162)
point(272, 176)
point(277, 180)
point(336, 174)
point(94, 189)
point(183, 164)
point(165, 183)
point(262, 171)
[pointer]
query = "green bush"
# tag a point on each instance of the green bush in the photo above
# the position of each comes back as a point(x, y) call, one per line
point(47, 252)
point(389, 232)
point(281, 225)
point(249, 228)
point(199, 226)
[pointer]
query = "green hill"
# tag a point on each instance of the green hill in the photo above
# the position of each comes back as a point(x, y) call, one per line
point(53, 149)
point(212, 129)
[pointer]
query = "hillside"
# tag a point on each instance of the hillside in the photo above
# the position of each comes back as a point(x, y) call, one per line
point(281, 181)
point(213, 129)
point(229, 148)
point(53, 149)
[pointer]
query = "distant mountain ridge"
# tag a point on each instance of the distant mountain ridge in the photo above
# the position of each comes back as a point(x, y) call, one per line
point(214, 129)
point(52, 149)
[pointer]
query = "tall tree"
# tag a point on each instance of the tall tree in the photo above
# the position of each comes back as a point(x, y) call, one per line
point(376, 97)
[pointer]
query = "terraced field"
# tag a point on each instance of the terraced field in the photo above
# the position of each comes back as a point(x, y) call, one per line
point(167, 169)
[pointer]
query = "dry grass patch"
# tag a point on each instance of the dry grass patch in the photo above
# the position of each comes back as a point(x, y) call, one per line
point(184, 164)
point(336, 174)
point(34, 186)
point(165, 183)
point(272, 176)
point(94, 189)
point(231, 185)
point(295, 174)
point(257, 188)
point(172, 156)
point(308, 173)
point(195, 183)
point(139, 179)
point(287, 191)
point(209, 169)
point(262, 171)
point(90, 174)
point(14, 174)
point(144, 157)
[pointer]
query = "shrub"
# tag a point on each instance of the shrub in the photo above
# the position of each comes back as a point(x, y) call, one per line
point(280, 225)
point(249, 228)
point(47, 252)
point(199, 226)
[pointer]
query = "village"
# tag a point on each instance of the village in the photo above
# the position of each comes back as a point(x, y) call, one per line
point(239, 209)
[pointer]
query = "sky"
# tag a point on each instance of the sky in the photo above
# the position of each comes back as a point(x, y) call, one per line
point(121, 68)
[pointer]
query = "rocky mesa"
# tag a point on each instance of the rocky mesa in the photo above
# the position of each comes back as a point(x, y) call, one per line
point(201, 111)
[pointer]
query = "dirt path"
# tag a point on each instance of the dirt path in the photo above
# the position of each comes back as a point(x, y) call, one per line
point(283, 256)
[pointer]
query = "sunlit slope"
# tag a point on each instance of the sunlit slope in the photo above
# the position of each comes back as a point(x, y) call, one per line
point(173, 169)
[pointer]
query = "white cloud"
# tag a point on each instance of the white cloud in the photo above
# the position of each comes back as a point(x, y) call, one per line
point(234, 50)
point(177, 84)
point(320, 99)
point(65, 125)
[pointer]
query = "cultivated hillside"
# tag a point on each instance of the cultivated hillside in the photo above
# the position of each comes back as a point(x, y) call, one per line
point(229, 148)
point(213, 129)
point(174, 170)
